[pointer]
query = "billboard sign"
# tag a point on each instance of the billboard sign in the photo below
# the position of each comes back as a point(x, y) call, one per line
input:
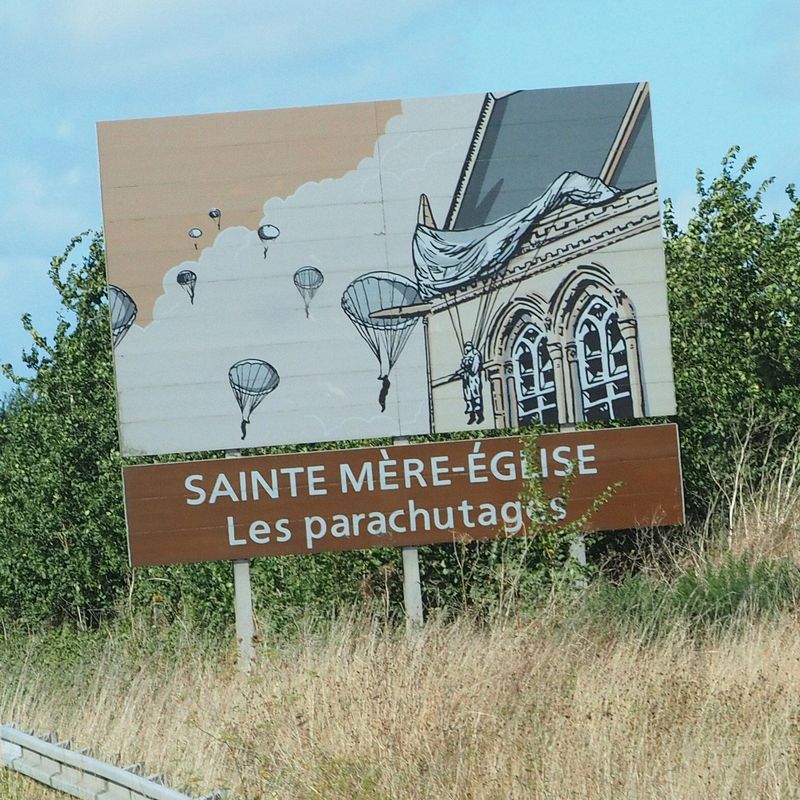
point(385, 269)
point(412, 494)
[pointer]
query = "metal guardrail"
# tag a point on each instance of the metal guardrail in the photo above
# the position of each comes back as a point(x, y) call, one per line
point(76, 773)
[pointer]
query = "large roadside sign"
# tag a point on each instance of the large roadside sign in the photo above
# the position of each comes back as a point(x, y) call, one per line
point(400, 495)
point(385, 269)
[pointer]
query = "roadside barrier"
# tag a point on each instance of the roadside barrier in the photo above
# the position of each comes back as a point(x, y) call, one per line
point(77, 773)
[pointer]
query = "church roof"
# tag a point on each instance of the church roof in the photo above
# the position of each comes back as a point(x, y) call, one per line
point(526, 139)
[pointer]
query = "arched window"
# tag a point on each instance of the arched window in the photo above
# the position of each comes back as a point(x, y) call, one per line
point(534, 380)
point(602, 363)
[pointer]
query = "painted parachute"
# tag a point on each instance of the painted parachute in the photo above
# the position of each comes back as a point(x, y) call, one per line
point(216, 215)
point(308, 280)
point(123, 313)
point(268, 233)
point(194, 233)
point(251, 381)
point(188, 280)
point(448, 260)
point(386, 334)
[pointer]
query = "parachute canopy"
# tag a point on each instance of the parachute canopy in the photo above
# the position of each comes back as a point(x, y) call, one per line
point(251, 381)
point(386, 335)
point(268, 232)
point(123, 312)
point(308, 280)
point(188, 280)
point(446, 260)
point(195, 233)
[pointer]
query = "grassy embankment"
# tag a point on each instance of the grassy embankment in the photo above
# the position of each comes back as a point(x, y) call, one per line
point(680, 683)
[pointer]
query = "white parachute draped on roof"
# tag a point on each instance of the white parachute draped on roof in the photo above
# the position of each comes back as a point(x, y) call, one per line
point(445, 260)
point(381, 291)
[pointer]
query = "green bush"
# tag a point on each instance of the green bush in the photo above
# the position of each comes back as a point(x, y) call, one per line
point(714, 598)
point(734, 295)
point(734, 290)
point(62, 540)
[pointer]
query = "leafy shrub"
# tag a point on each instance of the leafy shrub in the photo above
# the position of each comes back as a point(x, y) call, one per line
point(710, 599)
point(734, 293)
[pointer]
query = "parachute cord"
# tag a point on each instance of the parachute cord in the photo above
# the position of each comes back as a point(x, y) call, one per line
point(388, 348)
point(455, 321)
point(374, 344)
point(496, 279)
point(483, 302)
point(482, 323)
point(460, 326)
point(394, 340)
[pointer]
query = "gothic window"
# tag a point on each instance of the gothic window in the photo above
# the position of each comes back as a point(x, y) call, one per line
point(602, 363)
point(534, 380)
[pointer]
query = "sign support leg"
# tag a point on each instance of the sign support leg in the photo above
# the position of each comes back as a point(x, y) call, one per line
point(243, 610)
point(243, 605)
point(412, 586)
point(412, 591)
point(577, 549)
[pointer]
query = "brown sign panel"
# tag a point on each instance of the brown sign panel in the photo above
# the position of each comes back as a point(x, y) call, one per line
point(399, 495)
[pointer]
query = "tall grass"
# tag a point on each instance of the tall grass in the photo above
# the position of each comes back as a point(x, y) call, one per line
point(16, 787)
point(765, 515)
point(522, 709)
point(679, 682)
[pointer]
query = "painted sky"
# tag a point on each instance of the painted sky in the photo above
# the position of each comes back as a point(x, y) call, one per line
point(172, 384)
point(721, 73)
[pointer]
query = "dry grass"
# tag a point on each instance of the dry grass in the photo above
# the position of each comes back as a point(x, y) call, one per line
point(16, 787)
point(519, 711)
point(766, 518)
point(552, 708)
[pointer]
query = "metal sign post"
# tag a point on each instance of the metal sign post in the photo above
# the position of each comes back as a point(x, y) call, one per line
point(243, 609)
point(412, 591)
point(412, 587)
point(577, 548)
point(243, 605)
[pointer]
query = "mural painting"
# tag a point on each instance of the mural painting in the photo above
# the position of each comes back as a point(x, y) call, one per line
point(429, 265)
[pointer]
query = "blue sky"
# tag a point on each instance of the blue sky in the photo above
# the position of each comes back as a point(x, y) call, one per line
point(721, 73)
